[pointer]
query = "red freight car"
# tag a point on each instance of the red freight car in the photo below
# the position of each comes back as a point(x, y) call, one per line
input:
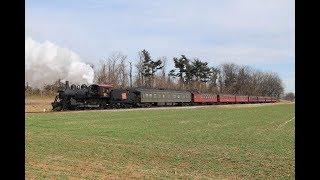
point(226, 98)
point(261, 99)
point(268, 99)
point(204, 98)
point(242, 99)
point(253, 99)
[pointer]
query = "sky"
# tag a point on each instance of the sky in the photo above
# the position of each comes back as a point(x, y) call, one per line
point(257, 33)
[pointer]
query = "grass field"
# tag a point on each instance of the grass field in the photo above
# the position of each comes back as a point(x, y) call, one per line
point(219, 143)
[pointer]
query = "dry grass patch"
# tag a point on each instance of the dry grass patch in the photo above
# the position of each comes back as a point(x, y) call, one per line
point(38, 104)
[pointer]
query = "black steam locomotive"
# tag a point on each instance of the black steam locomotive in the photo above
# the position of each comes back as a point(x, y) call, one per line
point(81, 97)
point(105, 96)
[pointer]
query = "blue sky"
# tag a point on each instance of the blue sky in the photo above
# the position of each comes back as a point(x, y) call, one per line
point(258, 33)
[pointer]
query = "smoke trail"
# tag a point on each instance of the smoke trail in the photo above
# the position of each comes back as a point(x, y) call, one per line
point(46, 62)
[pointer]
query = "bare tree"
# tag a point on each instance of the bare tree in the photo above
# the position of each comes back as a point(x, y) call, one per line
point(101, 74)
point(229, 75)
point(243, 80)
point(130, 74)
point(289, 96)
point(139, 79)
point(113, 70)
point(213, 80)
point(123, 74)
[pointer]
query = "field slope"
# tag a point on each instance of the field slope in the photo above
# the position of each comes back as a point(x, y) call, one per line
point(226, 143)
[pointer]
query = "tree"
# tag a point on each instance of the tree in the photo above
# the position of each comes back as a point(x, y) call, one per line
point(113, 70)
point(139, 80)
point(201, 73)
point(213, 79)
point(101, 75)
point(180, 64)
point(243, 80)
point(130, 73)
point(290, 96)
point(161, 79)
point(122, 70)
point(229, 75)
point(149, 67)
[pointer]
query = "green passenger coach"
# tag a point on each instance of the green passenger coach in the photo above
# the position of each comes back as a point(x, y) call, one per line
point(164, 96)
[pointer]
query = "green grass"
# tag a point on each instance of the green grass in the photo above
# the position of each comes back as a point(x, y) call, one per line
point(252, 142)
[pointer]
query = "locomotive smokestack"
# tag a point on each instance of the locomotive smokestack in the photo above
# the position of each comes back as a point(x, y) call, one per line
point(67, 85)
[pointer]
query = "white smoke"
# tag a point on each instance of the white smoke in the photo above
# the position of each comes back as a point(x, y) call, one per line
point(46, 62)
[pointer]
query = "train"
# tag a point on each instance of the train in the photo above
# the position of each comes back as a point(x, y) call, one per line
point(103, 96)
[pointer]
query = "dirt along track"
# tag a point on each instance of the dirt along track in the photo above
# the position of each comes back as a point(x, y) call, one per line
point(167, 108)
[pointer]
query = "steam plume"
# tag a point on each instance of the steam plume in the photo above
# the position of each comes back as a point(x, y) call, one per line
point(46, 62)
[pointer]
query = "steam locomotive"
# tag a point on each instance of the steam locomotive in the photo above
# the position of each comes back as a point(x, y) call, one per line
point(98, 96)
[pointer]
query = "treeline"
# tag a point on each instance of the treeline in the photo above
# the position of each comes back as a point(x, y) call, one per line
point(187, 74)
point(47, 90)
point(289, 96)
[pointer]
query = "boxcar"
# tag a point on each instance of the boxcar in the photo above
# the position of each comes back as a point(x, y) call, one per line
point(242, 99)
point(204, 98)
point(222, 98)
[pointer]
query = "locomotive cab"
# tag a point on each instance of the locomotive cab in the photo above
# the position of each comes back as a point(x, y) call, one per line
point(101, 91)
